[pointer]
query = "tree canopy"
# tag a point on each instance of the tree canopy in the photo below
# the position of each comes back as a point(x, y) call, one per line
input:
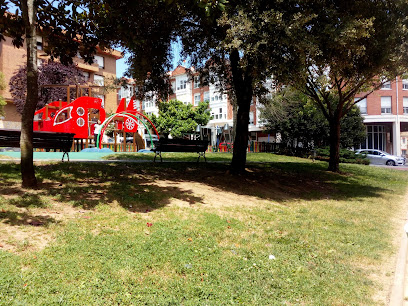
point(176, 118)
point(299, 120)
point(240, 42)
point(345, 47)
point(48, 73)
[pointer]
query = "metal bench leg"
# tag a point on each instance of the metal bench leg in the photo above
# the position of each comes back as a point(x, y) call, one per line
point(201, 154)
point(157, 154)
point(63, 155)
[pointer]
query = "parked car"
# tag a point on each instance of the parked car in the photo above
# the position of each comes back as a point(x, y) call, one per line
point(378, 157)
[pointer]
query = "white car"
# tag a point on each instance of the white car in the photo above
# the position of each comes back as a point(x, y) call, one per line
point(378, 157)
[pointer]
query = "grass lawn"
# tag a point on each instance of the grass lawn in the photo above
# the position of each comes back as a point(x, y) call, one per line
point(192, 157)
point(287, 232)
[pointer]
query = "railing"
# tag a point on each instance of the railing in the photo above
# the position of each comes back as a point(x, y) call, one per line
point(80, 144)
point(253, 147)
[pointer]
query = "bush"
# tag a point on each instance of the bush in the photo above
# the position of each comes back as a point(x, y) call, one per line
point(346, 156)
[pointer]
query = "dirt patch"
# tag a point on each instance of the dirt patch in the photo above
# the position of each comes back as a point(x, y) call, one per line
point(224, 202)
point(24, 228)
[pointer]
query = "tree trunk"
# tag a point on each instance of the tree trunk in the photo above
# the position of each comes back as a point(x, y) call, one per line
point(234, 120)
point(334, 144)
point(242, 82)
point(29, 12)
point(241, 137)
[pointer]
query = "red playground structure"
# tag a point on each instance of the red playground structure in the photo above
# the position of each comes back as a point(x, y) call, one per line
point(77, 117)
point(83, 113)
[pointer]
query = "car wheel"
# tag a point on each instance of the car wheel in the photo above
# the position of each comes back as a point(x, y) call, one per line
point(390, 163)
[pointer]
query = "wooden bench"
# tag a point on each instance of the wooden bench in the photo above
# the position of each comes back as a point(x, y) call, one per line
point(180, 145)
point(41, 140)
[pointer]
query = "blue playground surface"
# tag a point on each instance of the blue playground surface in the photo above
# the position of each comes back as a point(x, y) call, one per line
point(90, 155)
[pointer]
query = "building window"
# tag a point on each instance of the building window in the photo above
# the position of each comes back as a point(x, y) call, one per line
point(173, 86)
point(99, 80)
point(251, 118)
point(100, 61)
point(405, 84)
point(102, 98)
point(196, 99)
point(385, 105)
point(206, 96)
point(376, 136)
point(86, 75)
point(39, 43)
point(386, 85)
point(405, 105)
point(362, 105)
point(148, 102)
point(196, 82)
point(182, 85)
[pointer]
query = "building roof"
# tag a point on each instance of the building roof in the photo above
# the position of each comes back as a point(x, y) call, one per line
point(179, 71)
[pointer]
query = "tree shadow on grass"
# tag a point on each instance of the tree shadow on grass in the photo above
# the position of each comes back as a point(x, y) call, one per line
point(136, 183)
point(90, 186)
point(28, 200)
point(135, 186)
point(275, 181)
point(23, 218)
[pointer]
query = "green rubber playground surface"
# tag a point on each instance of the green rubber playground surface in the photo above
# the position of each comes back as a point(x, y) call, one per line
point(58, 155)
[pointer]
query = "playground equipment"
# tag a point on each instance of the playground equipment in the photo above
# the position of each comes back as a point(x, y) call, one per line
point(83, 113)
point(127, 120)
point(77, 117)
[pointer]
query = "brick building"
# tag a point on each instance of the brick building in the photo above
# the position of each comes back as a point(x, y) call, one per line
point(385, 113)
point(12, 58)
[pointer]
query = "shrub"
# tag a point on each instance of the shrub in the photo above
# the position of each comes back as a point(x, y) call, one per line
point(346, 156)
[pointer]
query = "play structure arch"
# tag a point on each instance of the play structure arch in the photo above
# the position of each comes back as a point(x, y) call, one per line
point(124, 114)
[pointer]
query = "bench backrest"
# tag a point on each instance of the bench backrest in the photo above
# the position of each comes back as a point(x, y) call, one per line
point(43, 140)
point(180, 145)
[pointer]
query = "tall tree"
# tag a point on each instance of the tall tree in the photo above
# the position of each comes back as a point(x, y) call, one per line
point(29, 16)
point(62, 24)
point(345, 47)
point(229, 39)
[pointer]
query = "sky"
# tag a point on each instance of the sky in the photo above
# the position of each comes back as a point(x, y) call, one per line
point(121, 67)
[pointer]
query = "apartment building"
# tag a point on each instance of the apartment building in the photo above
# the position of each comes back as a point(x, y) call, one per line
point(385, 113)
point(11, 58)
